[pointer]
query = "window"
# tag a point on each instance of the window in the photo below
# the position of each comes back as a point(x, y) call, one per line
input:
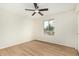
point(49, 27)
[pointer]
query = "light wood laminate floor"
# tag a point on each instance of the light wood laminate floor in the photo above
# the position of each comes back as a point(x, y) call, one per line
point(38, 48)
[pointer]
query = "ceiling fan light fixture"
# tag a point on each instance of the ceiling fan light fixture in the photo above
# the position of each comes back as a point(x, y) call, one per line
point(36, 11)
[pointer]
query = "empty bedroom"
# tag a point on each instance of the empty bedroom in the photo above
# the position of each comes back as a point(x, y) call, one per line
point(39, 29)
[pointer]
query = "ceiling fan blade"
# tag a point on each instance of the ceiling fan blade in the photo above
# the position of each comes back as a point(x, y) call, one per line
point(33, 13)
point(45, 9)
point(35, 5)
point(30, 9)
point(40, 13)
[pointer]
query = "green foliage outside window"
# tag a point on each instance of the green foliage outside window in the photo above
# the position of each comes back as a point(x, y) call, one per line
point(49, 28)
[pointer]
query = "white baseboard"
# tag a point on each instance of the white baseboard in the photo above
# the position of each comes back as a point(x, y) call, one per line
point(14, 43)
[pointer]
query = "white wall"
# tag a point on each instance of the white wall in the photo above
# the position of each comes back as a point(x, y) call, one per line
point(78, 31)
point(15, 26)
point(65, 28)
point(77, 12)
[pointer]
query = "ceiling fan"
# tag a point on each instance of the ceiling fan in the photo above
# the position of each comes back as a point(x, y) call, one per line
point(37, 10)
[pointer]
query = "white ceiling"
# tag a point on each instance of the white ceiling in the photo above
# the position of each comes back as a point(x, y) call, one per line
point(57, 7)
point(19, 7)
